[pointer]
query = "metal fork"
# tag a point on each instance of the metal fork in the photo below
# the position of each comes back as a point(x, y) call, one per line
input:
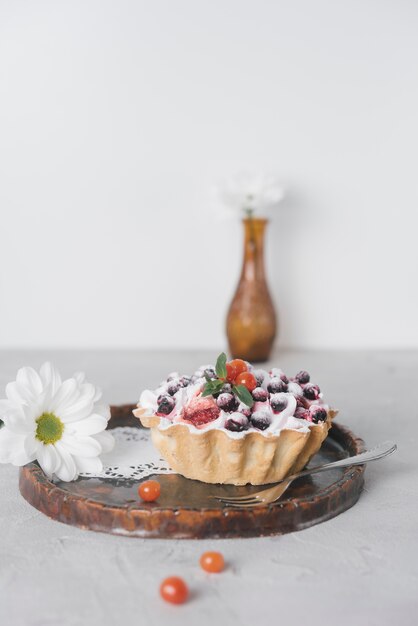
point(272, 494)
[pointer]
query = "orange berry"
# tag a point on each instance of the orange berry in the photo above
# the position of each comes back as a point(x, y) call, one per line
point(231, 373)
point(212, 562)
point(174, 590)
point(149, 490)
point(247, 379)
point(239, 365)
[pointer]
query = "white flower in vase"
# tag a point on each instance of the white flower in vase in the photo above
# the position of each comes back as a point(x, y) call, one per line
point(60, 424)
point(251, 193)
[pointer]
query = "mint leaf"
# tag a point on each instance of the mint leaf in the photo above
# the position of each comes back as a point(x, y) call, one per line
point(212, 386)
point(220, 367)
point(243, 395)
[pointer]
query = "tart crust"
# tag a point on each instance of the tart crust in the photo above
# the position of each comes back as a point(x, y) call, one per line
point(212, 456)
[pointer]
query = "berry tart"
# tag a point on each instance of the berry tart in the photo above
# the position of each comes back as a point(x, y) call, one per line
point(235, 424)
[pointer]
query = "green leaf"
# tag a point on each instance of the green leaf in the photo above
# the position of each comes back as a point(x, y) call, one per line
point(209, 384)
point(212, 386)
point(243, 395)
point(220, 367)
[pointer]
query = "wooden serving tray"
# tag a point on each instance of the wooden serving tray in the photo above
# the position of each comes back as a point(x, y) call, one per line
point(185, 508)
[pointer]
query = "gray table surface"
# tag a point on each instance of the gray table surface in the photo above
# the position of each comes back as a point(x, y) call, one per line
point(359, 568)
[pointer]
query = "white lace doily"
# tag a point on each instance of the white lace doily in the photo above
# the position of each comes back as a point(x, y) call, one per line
point(133, 456)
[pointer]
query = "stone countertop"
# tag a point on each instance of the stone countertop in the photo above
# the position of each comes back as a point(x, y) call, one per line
point(358, 568)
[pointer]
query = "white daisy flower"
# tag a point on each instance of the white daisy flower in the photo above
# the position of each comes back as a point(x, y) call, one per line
point(61, 424)
point(251, 192)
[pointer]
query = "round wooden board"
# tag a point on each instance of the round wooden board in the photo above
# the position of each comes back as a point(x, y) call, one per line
point(185, 508)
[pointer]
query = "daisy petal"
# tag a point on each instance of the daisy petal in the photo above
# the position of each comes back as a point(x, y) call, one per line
point(90, 425)
point(10, 444)
point(31, 445)
point(19, 394)
point(5, 406)
point(77, 411)
point(20, 457)
point(81, 407)
point(67, 469)
point(40, 405)
point(50, 377)
point(81, 446)
point(18, 422)
point(27, 377)
point(92, 465)
point(65, 396)
point(106, 441)
point(102, 409)
point(80, 377)
point(48, 459)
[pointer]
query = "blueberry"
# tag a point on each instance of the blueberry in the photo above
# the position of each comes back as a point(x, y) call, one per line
point(259, 376)
point(311, 391)
point(237, 422)
point(261, 419)
point(275, 372)
point(302, 414)
point(295, 389)
point(303, 402)
point(209, 371)
point(278, 402)
point(165, 404)
point(276, 385)
point(260, 395)
point(185, 381)
point(227, 402)
point(244, 409)
point(227, 388)
point(318, 414)
point(302, 377)
point(173, 387)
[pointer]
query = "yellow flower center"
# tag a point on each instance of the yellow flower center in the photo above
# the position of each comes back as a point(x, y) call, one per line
point(49, 428)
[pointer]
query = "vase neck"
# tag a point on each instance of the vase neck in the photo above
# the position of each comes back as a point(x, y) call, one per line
point(253, 262)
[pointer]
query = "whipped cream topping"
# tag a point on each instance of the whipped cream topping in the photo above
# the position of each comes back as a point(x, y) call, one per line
point(179, 400)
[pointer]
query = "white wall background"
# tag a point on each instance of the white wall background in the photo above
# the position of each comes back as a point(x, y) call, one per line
point(116, 119)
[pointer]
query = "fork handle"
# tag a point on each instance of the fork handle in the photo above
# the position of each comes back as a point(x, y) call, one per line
point(378, 452)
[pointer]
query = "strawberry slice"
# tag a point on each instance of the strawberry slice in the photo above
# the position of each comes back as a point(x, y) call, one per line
point(201, 411)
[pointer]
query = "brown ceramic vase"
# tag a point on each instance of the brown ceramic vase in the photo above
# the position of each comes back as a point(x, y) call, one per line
point(251, 321)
